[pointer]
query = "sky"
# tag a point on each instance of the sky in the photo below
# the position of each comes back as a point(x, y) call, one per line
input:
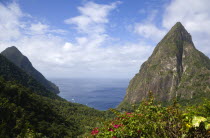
point(97, 38)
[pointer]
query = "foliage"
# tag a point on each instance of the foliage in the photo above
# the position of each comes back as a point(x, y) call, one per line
point(28, 109)
point(153, 120)
point(10, 72)
point(23, 113)
point(16, 57)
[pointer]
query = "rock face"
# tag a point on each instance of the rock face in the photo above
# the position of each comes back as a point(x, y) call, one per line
point(175, 69)
point(15, 56)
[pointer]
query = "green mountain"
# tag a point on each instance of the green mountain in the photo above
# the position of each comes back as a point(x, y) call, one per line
point(10, 72)
point(24, 113)
point(15, 56)
point(28, 109)
point(176, 69)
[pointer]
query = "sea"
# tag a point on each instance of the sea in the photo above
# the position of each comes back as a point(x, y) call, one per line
point(100, 94)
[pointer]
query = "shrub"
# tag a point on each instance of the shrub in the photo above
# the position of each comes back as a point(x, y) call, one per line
point(151, 120)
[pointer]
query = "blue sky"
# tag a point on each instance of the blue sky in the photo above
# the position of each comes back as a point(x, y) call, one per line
point(97, 38)
point(127, 12)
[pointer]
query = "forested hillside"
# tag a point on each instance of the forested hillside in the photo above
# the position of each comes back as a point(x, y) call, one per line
point(10, 72)
point(26, 113)
point(28, 108)
point(16, 57)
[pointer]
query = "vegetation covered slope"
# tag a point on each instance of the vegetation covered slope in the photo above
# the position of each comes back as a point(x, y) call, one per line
point(15, 56)
point(10, 72)
point(28, 108)
point(176, 69)
point(24, 113)
point(152, 120)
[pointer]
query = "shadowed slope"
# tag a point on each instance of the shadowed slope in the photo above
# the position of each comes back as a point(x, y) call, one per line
point(15, 56)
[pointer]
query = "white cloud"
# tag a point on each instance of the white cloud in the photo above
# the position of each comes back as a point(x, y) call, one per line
point(9, 21)
point(93, 17)
point(87, 56)
point(193, 14)
point(39, 28)
point(67, 46)
point(82, 40)
point(150, 31)
point(197, 11)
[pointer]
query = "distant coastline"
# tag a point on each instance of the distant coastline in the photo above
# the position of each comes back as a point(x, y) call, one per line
point(100, 94)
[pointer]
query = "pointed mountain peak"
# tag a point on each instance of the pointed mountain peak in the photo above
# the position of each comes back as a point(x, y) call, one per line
point(178, 33)
point(12, 50)
point(174, 70)
point(12, 47)
point(179, 25)
point(15, 56)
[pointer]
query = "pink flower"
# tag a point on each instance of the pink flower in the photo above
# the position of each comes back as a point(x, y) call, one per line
point(129, 114)
point(110, 129)
point(94, 131)
point(116, 126)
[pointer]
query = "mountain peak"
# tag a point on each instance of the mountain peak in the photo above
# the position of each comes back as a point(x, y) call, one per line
point(14, 48)
point(14, 52)
point(179, 25)
point(173, 70)
point(178, 33)
point(15, 56)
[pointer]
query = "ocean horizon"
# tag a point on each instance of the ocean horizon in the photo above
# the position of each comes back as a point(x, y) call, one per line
point(100, 94)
